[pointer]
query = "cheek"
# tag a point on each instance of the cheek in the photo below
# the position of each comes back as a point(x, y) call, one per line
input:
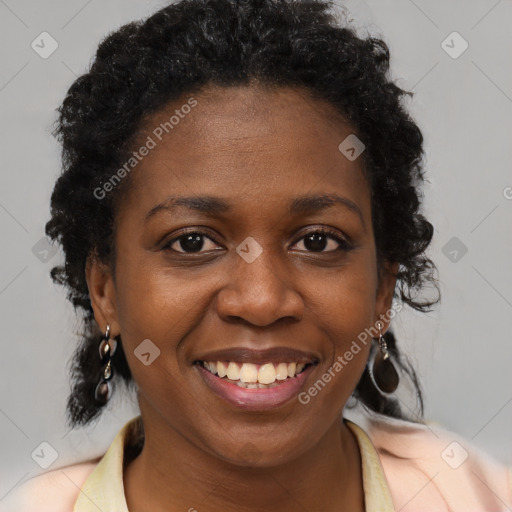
point(344, 308)
point(155, 312)
point(161, 305)
point(344, 301)
point(344, 315)
point(154, 304)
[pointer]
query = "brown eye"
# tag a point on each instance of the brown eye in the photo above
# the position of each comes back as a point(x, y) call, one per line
point(191, 242)
point(318, 240)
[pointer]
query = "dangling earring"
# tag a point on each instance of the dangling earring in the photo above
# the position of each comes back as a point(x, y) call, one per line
point(105, 386)
point(383, 371)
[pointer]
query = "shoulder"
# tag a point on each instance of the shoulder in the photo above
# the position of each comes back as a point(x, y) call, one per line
point(427, 466)
point(53, 491)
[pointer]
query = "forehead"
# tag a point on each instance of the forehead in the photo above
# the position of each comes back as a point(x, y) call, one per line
point(252, 142)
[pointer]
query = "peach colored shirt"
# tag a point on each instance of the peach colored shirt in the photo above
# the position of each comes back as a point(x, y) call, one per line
point(406, 467)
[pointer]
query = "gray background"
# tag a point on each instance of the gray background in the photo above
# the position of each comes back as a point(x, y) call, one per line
point(463, 105)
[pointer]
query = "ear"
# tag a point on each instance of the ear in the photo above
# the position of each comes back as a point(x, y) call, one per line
point(385, 291)
point(100, 283)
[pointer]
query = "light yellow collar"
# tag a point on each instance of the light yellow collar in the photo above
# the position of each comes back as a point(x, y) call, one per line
point(104, 489)
point(377, 495)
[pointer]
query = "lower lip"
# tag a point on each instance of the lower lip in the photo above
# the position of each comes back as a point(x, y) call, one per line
point(255, 399)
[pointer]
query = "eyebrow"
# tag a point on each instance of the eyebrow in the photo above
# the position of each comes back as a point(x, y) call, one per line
point(214, 206)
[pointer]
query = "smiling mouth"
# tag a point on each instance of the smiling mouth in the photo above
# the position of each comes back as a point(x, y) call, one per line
point(255, 376)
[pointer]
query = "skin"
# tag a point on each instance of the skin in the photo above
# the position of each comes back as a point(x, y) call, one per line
point(257, 148)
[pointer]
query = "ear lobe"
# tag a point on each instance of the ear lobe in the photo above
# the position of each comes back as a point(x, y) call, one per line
point(102, 293)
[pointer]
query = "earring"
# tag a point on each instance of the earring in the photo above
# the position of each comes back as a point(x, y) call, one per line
point(105, 386)
point(384, 372)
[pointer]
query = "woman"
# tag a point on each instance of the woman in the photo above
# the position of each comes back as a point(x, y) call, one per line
point(239, 210)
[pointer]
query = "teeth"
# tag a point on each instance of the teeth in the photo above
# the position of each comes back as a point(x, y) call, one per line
point(255, 386)
point(251, 376)
point(267, 374)
point(221, 368)
point(233, 371)
point(212, 367)
point(281, 371)
point(248, 373)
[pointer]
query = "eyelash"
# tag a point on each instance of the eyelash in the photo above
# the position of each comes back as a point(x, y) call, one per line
point(344, 245)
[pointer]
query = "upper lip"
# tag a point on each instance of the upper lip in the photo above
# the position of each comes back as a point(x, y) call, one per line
point(269, 355)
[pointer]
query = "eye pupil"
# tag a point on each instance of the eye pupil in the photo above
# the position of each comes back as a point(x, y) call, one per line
point(191, 243)
point(315, 242)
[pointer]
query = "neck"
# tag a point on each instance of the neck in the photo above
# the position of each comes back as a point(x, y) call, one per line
point(173, 474)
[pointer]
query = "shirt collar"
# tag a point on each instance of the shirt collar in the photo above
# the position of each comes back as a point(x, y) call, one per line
point(377, 495)
point(104, 489)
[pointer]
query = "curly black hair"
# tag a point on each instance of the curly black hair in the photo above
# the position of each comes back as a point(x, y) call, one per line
point(185, 47)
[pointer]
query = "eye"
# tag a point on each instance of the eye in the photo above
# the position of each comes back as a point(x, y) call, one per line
point(191, 242)
point(317, 240)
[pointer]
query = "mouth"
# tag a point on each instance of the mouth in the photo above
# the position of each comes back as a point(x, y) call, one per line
point(255, 376)
point(257, 385)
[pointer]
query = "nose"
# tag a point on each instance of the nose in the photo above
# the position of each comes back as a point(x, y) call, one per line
point(261, 292)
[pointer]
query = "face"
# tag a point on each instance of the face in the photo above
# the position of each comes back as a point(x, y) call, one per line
point(244, 276)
